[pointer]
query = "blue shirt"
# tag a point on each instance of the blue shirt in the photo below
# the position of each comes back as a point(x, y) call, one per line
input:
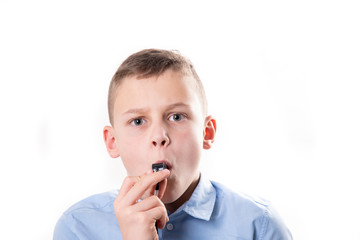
point(212, 212)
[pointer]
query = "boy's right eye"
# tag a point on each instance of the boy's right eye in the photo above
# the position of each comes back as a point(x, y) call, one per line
point(137, 122)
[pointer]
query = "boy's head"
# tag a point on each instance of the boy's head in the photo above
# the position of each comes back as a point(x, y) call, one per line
point(157, 109)
point(153, 62)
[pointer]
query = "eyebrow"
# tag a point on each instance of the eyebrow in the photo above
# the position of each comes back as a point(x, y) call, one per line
point(143, 110)
point(135, 111)
point(175, 105)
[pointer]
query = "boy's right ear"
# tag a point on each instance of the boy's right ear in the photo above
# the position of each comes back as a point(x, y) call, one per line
point(110, 142)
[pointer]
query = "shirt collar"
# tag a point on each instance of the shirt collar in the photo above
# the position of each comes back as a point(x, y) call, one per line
point(202, 201)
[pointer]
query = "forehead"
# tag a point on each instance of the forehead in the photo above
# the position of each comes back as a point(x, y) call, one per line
point(158, 91)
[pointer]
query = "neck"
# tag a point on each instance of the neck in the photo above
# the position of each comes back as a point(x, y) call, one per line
point(171, 207)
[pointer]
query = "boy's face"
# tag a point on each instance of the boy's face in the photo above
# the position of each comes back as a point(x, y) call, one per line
point(160, 119)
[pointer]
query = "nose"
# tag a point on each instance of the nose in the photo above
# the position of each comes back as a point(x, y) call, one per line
point(162, 143)
point(160, 137)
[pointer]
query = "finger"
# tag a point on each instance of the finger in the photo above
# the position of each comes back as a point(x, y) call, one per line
point(159, 215)
point(127, 184)
point(147, 203)
point(145, 183)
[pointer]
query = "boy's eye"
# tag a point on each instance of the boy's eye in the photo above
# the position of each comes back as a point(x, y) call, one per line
point(176, 117)
point(137, 122)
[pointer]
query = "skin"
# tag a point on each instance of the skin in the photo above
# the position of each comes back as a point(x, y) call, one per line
point(156, 119)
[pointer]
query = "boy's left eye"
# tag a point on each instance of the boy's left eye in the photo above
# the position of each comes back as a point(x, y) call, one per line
point(176, 117)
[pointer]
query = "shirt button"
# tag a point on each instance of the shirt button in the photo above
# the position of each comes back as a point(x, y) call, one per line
point(169, 226)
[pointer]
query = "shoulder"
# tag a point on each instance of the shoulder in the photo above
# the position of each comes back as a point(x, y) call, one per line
point(88, 217)
point(254, 213)
point(240, 200)
point(100, 201)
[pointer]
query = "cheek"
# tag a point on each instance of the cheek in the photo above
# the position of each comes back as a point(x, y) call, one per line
point(190, 147)
point(133, 156)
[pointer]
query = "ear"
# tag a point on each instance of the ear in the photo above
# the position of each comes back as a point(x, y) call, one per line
point(110, 142)
point(209, 132)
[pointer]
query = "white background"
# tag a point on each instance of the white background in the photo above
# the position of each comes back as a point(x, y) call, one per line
point(282, 79)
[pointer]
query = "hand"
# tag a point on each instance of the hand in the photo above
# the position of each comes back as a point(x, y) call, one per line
point(137, 219)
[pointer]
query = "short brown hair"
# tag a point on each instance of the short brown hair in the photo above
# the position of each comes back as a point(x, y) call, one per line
point(149, 63)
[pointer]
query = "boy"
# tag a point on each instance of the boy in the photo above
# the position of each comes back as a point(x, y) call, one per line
point(158, 114)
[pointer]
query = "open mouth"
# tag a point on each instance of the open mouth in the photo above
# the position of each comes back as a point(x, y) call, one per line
point(169, 166)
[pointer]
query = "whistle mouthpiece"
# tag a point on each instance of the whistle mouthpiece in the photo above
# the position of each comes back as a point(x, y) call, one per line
point(159, 167)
